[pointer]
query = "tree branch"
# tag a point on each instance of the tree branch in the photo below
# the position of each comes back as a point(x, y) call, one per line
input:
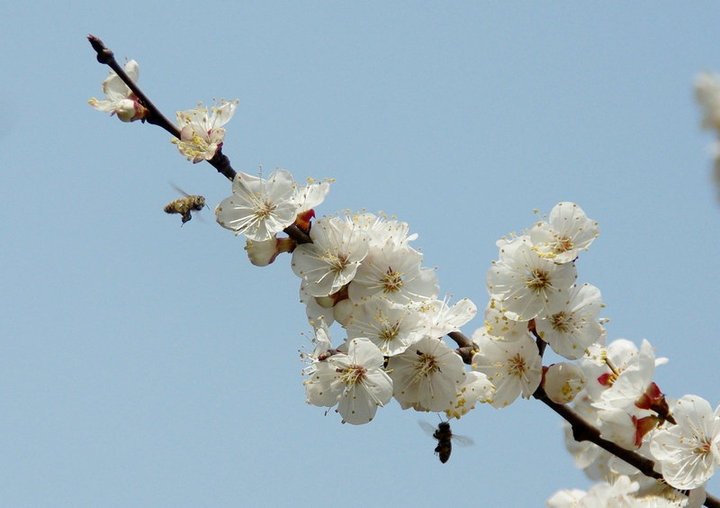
point(583, 431)
point(154, 116)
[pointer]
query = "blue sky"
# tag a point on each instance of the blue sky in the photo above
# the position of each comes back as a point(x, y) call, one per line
point(144, 364)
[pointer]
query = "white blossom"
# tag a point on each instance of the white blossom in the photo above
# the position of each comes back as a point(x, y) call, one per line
point(567, 231)
point(476, 388)
point(514, 367)
point(618, 494)
point(563, 381)
point(441, 318)
point(427, 376)
point(333, 257)
point(119, 99)
point(688, 453)
point(311, 195)
point(500, 324)
point(526, 284)
point(355, 381)
point(201, 135)
point(316, 308)
point(321, 345)
point(390, 326)
point(633, 375)
point(382, 231)
point(395, 274)
point(571, 325)
point(259, 208)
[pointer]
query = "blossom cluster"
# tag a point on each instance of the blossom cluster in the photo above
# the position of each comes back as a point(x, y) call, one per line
point(361, 272)
point(534, 293)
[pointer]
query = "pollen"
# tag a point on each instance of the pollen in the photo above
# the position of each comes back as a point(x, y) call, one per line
point(537, 280)
point(390, 332)
point(561, 322)
point(354, 374)
point(563, 244)
point(426, 365)
point(517, 366)
point(392, 281)
point(264, 210)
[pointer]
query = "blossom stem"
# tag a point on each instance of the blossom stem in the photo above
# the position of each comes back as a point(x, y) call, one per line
point(466, 349)
point(154, 116)
point(541, 344)
point(297, 234)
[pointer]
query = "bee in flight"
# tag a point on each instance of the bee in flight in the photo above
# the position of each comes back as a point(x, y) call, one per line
point(185, 205)
point(445, 437)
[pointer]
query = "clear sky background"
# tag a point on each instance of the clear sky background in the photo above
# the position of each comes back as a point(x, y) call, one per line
point(145, 364)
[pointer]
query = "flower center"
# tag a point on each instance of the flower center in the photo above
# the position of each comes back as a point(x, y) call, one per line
point(392, 281)
point(537, 280)
point(704, 446)
point(563, 244)
point(354, 374)
point(427, 365)
point(337, 262)
point(263, 210)
point(517, 366)
point(390, 332)
point(560, 322)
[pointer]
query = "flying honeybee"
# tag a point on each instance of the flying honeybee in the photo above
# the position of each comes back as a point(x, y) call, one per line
point(185, 205)
point(445, 437)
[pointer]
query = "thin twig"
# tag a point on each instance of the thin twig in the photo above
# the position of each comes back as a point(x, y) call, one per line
point(154, 115)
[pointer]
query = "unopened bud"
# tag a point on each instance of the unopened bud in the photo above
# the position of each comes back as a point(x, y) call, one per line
point(125, 110)
point(563, 381)
point(262, 253)
point(130, 109)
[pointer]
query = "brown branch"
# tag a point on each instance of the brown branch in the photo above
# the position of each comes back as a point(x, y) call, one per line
point(221, 162)
point(297, 234)
point(583, 431)
point(466, 349)
point(154, 116)
point(461, 339)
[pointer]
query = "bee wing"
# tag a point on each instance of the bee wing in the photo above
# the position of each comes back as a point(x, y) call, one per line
point(429, 429)
point(180, 190)
point(462, 440)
